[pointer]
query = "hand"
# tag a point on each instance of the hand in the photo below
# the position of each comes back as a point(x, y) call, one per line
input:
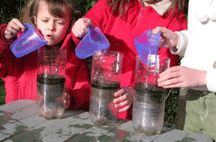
point(13, 27)
point(80, 27)
point(124, 97)
point(180, 76)
point(66, 100)
point(168, 38)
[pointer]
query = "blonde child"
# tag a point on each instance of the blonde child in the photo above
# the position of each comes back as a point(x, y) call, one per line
point(197, 73)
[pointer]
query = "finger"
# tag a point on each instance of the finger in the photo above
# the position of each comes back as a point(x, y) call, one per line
point(77, 33)
point(78, 29)
point(81, 24)
point(84, 24)
point(178, 85)
point(66, 103)
point(163, 30)
point(169, 70)
point(67, 97)
point(18, 25)
point(14, 27)
point(161, 42)
point(170, 82)
point(66, 100)
point(124, 103)
point(119, 93)
point(14, 31)
point(87, 22)
point(119, 100)
point(74, 31)
point(169, 76)
point(125, 108)
point(159, 30)
point(10, 33)
point(156, 30)
point(81, 31)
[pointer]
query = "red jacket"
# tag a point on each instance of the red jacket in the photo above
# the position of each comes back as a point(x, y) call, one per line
point(122, 31)
point(19, 74)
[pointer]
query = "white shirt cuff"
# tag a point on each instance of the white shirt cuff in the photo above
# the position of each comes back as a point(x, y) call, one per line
point(182, 43)
point(211, 80)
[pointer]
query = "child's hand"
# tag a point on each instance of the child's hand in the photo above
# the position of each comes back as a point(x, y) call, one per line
point(124, 97)
point(66, 98)
point(80, 27)
point(13, 27)
point(168, 38)
point(181, 76)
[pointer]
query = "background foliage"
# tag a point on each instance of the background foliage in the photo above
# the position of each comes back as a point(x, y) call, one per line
point(7, 13)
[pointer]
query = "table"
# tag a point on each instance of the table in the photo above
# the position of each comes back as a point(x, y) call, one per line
point(20, 123)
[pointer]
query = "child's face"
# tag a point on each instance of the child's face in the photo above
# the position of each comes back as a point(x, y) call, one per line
point(53, 28)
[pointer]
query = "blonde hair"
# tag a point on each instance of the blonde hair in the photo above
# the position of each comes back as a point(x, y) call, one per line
point(121, 6)
point(57, 8)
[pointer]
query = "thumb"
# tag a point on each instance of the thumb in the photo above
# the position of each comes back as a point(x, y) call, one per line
point(87, 22)
point(156, 30)
point(162, 30)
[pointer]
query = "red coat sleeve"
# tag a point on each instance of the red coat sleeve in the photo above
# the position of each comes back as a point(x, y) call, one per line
point(75, 39)
point(80, 95)
point(4, 43)
point(77, 78)
point(5, 54)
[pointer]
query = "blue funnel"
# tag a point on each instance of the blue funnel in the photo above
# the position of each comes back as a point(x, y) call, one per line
point(147, 43)
point(93, 41)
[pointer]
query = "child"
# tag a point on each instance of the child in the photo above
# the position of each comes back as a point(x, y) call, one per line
point(122, 21)
point(197, 73)
point(53, 19)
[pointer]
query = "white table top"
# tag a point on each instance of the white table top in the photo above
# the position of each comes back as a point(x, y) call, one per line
point(20, 123)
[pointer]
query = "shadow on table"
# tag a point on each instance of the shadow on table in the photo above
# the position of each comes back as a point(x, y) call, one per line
point(69, 113)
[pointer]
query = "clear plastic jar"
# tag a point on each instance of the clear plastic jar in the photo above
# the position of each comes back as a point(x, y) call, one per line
point(102, 109)
point(148, 111)
point(51, 82)
point(105, 81)
point(149, 102)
